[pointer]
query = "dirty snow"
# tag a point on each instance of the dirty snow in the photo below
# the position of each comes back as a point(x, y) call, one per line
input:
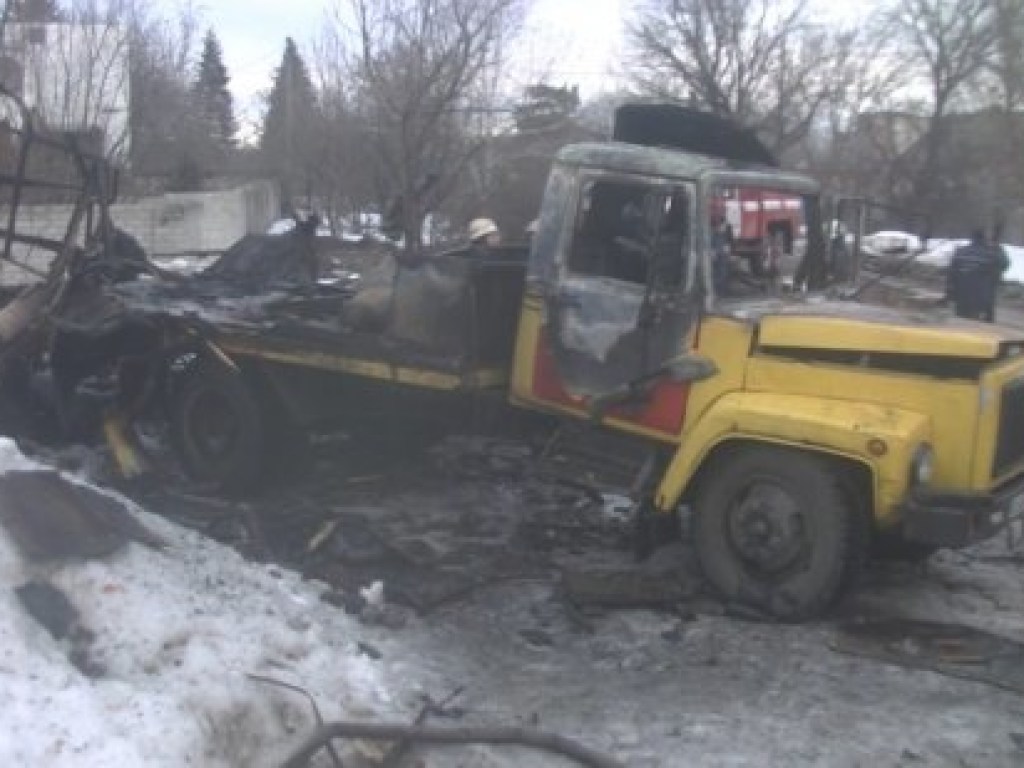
point(691, 686)
point(177, 632)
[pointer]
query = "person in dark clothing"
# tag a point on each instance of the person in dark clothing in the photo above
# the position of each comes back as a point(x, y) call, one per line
point(839, 253)
point(721, 254)
point(973, 277)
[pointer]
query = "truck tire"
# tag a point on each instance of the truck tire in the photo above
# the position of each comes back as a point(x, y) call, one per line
point(219, 428)
point(773, 530)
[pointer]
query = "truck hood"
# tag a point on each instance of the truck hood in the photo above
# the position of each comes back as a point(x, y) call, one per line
point(851, 327)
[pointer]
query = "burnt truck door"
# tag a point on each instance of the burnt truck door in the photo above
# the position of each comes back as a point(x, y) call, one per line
point(614, 258)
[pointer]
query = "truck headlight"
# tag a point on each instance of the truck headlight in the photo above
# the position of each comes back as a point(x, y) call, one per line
point(922, 465)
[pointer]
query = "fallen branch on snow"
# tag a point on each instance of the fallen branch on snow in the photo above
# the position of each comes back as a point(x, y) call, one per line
point(309, 697)
point(525, 737)
point(399, 748)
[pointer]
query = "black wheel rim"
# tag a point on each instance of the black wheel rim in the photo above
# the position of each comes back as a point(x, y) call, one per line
point(767, 528)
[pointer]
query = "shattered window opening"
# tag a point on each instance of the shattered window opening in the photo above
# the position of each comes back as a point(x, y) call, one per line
point(633, 231)
point(621, 310)
point(756, 241)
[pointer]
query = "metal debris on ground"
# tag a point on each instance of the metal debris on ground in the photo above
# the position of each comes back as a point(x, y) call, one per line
point(955, 650)
point(475, 456)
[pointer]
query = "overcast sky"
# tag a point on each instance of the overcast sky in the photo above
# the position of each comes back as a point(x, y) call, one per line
point(567, 41)
point(570, 41)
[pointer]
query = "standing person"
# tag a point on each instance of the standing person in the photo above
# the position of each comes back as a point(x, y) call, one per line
point(839, 254)
point(973, 277)
point(721, 249)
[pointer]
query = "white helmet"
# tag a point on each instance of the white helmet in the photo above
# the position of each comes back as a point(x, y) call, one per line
point(481, 228)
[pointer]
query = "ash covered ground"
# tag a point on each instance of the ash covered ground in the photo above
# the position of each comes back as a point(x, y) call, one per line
point(522, 594)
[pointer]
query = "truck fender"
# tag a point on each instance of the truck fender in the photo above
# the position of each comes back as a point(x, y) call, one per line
point(881, 437)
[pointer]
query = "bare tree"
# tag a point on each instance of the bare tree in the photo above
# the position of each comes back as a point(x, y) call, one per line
point(110, 69)
point(861, 133)
point(344, 172)
point(949, 43)
point(75, 71)
point(162, 51)
point(759, 62)
point(423, 83)
point(1008, 71)
point(1008, 63)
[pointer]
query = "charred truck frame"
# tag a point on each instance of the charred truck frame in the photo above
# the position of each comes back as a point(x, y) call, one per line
point(797, 428)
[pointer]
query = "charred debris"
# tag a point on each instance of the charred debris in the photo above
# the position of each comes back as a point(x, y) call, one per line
point(94, 335)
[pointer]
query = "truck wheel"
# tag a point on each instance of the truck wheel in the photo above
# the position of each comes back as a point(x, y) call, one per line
point(219, 428)
point(773, 530)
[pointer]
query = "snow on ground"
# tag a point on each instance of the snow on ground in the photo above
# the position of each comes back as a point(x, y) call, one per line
point(176, 631)
point(938, 253)
point(1015, 274)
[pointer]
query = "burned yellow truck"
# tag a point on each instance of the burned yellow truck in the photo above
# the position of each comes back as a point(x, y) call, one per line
point(796, 428)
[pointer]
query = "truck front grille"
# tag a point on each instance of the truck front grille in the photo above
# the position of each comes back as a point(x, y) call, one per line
point(1010, 439)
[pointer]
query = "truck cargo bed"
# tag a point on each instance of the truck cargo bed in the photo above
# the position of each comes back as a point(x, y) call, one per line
point(447, 323)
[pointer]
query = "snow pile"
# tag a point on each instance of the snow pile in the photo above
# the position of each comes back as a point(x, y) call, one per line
point(1015, 274)
point(176, 632)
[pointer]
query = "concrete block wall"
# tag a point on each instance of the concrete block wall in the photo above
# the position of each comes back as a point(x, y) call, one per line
point(165, 225)
point(198, 221)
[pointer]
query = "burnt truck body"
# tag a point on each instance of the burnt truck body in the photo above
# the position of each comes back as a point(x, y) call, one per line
point(248, 370)
point(798, 429)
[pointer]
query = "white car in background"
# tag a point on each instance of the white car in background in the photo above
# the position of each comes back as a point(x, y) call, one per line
point(892, 242)
point(283, 226)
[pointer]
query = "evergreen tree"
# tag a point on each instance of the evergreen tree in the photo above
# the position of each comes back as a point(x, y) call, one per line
point(290, 125)
point(211, 97)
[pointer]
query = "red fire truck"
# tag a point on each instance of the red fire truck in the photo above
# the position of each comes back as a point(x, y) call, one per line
point(765, 224)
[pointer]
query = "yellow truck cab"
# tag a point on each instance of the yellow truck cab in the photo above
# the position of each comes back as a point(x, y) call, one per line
point(797, 428)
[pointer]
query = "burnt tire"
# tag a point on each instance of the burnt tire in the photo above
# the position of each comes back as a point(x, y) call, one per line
point(773, 530)
point(220, 429)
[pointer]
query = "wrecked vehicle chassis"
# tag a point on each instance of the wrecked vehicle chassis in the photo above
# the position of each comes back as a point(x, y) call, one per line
point(797, 431)
point(243, 381)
